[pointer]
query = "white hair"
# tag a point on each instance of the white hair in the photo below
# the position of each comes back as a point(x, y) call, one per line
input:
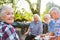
point(47, 16)
point(4, 8)
point(55, 9)
point(37, 16)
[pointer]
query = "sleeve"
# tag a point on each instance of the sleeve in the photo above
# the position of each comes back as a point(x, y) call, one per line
point(30, 25)
point(40, 29)
point(51, 26)
point(1, 33)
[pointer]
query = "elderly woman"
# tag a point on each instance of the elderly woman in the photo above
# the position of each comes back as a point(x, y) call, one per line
point(35, 28)
point(55, 14)
point(45, 23)
point(7, 32)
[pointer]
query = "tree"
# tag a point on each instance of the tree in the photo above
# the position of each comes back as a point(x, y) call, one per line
point(37, 10)
point(48, 7)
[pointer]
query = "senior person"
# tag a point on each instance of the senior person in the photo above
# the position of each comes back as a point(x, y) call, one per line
point(55, 14)
point(45, 23)
point(35, 28)
point(7, 31)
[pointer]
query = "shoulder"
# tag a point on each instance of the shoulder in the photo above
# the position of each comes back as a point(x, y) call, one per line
point(58, 20)
point(52, 22)
point(40, 22)
point(31, 22)
point(5, 27)
point(2, 25)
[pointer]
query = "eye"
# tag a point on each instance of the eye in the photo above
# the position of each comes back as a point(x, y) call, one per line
point(8, 13)
point(12, 13)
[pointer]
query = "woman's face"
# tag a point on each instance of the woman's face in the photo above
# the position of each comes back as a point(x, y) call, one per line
point(8, 16)
point(46, 19)
point(54, 14)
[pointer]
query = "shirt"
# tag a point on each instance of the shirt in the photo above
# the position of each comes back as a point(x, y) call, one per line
point(51, 26)
point(57, 27)
point(7, 32)
point(45, 28)
point(36, 28)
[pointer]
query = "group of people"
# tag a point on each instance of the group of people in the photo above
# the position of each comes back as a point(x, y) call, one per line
point(50, 26)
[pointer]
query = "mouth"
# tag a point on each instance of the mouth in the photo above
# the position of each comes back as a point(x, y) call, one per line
point(10, 19)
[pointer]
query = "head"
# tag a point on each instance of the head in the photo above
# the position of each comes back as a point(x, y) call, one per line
point(36, 17)
point(46, 17)
point(54, 13)
point(6, 14)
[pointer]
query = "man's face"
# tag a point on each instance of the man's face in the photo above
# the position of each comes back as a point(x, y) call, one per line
point(54, 14)
point(35, 19)
point(8, 16)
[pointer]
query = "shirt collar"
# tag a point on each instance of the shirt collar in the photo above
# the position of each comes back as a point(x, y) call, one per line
point(57, 19)
point(36, 22)
point(4, 23)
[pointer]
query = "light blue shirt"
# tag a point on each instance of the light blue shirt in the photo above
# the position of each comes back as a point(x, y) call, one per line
point(51, 26)
point(36, 28)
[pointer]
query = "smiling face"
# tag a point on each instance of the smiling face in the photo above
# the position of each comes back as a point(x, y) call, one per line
point(46, 19)
point(54, 14)
point(8, 16)
point(35, 19)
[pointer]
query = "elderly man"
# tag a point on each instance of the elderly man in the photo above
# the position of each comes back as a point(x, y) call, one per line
point(35, 28)
point(55, 14)
point(7, 32)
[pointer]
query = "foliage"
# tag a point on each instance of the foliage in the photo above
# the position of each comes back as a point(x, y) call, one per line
point(48, 7)
point(37, 10)
point(18, 16)
point(23, 17)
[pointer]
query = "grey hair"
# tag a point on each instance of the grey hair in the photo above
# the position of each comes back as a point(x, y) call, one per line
point(4, 8)
point(47, 16)
point(37, 16)
point(55, 9)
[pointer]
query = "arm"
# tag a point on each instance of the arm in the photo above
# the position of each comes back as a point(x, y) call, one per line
point(27, 31)
point(51, 34)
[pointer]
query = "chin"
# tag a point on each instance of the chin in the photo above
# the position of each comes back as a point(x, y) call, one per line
point(10, 22)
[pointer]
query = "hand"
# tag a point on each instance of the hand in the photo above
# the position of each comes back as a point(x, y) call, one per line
point(25, 33)
point(43, 35)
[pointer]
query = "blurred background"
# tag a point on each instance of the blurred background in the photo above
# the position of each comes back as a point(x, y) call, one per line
point(24, 10)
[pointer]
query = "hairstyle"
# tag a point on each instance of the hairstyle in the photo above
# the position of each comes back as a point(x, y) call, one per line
point(4, 8)
point(55, 9)
point(47, 16)
point(37, 16)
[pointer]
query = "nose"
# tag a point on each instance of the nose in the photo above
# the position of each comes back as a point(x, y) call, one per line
point(12, 16)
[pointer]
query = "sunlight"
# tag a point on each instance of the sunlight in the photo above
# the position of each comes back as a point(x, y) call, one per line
point(23, 4)
point(44, 2)
point(33, 1)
